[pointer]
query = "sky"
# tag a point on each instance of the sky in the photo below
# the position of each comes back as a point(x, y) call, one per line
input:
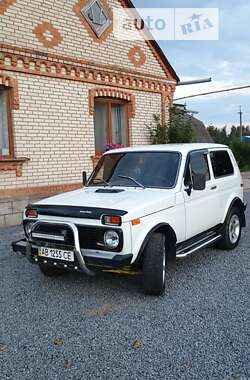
point(226, 60)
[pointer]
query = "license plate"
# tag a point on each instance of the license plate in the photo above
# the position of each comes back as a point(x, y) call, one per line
point(57, 254)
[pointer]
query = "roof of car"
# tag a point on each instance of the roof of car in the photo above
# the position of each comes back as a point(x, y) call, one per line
point(183, 148)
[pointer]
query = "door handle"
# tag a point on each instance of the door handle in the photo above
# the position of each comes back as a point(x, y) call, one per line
point(213, 187)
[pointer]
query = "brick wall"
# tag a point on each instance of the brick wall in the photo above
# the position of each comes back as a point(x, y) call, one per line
point(21, 18)
point(146, 106)
point(54, 129)
point(51, 61)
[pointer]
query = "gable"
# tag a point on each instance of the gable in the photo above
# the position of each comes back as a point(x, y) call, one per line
point(61, 29)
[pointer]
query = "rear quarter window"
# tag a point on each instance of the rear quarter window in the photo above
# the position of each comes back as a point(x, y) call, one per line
point(221, 163)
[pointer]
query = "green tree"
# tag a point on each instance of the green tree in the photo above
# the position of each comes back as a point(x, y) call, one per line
point(158, 132)
point(241, 151)
point(180, 126)
point(219, 135)
point(177, 130)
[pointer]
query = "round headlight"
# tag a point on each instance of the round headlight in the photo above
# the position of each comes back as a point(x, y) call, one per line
point(111, 239)
point(28, 228)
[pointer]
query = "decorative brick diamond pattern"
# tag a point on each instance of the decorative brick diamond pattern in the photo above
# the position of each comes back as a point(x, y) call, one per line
point(48, 35)
point(137, 56)
point(5, 4)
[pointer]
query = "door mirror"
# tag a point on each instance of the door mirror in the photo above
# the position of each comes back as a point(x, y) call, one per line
point(84, 178)
point(199, 181)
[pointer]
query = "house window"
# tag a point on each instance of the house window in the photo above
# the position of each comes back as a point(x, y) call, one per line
point(111, 123)
point(96, 16)
point(6, 145)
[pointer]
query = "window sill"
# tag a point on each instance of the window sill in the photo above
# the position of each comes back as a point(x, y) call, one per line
point(13, 164)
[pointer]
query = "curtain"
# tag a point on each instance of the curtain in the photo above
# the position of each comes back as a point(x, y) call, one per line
point(4, 133)
point(100, 125)
point(118, 124)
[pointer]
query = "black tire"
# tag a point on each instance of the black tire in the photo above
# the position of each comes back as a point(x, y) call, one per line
point(154, 266)
point(231, 230)
point(50, 271)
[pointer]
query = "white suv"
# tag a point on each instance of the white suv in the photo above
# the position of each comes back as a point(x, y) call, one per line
point(141, 208)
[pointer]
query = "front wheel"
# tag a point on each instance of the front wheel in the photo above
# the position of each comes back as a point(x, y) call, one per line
point(231, 232)
point(154, 266)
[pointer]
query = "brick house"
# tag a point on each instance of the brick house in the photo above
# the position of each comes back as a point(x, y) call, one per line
point(68, 87)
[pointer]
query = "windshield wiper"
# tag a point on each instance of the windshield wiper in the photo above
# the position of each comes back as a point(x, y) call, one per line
point(132, 179)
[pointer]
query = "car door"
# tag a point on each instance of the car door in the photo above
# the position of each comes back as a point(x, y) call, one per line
point(200, 205)
point(227, 178)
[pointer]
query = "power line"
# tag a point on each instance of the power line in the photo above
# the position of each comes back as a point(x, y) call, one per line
point(213, 92)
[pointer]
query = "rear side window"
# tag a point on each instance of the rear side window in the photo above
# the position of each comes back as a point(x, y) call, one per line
point(221, 163)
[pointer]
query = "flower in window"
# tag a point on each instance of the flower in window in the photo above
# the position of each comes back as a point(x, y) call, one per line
point(113, 146)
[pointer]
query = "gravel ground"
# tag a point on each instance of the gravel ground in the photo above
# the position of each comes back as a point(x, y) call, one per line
point(75, 327)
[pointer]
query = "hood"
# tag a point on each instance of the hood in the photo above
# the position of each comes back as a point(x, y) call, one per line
point(135, 202)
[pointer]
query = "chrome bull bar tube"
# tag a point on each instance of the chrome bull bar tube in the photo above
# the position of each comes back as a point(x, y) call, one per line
point(76, 242)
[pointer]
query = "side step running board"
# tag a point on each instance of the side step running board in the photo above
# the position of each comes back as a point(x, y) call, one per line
point(202, 244)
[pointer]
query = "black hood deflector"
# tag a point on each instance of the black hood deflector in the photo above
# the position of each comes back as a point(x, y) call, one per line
point(75, 211)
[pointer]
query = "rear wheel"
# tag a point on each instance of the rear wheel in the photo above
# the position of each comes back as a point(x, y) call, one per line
point(154, 265)
point(50, 271)
point(231, 232)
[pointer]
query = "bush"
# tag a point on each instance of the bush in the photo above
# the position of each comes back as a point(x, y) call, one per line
point(180, 127)
point(241, 151)
point(177, 130)
point(158, 132)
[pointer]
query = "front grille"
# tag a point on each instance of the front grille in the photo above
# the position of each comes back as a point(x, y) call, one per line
point(89, 237)
point(54, 233)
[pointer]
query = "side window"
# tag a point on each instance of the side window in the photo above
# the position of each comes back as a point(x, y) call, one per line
point(198, 164)
point(221, 163)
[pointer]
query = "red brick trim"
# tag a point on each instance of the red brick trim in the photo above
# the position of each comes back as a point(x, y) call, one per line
point(111, 93)
point(136, 56)
point(13, 164)
point(38, 190)
point(164, 96)
point(77, 10)
point(71, 71)
point(5, 4)
point(40, 31)
point(12, 83)
point(9, 49)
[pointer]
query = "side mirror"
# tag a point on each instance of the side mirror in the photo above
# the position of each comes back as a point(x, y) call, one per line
point(199, 181)
point(84, 178)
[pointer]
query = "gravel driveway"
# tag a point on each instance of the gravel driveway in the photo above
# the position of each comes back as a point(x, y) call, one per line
point(75, 327)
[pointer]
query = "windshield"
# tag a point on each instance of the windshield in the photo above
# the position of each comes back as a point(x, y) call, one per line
point(137, 169)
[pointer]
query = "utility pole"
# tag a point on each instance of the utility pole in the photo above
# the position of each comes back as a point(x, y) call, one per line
point(240, 113)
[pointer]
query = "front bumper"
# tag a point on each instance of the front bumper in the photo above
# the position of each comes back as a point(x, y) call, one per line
point(116, 262)
point(77, 249)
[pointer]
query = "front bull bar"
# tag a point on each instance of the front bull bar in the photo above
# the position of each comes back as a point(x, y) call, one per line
point(77, 249)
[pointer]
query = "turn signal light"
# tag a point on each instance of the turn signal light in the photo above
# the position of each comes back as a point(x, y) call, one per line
point(112, 220)
point(31, 213)
point(135, 222)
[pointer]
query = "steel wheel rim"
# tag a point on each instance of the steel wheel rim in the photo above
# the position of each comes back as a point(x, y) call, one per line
point(234, 229)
